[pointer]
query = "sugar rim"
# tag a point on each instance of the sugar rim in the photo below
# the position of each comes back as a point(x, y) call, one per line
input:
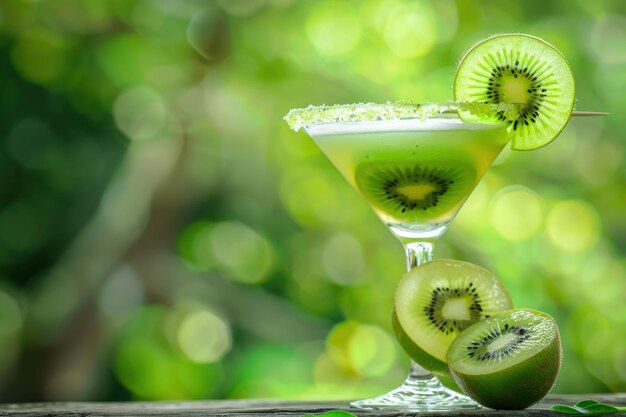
point(316, 115)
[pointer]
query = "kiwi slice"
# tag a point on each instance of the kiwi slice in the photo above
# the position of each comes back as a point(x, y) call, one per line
point(523, 70)
point(508, 361)
point(415, 191)
point(436, 301)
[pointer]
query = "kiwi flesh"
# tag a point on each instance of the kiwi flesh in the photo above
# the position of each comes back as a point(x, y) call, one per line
point(435, 301)
point(410, 192)
point(523, 70)
point(426, 361)
point(508, 361)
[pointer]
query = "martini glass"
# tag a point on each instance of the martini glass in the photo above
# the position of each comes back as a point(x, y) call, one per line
point(415, 165)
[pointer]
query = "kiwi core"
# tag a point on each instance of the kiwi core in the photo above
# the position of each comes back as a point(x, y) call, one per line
point(456, 309)
point(416, 191)
point(502, 343)
point(453, 309)
point(515, 90)
point(517, 84)
point(499, 343)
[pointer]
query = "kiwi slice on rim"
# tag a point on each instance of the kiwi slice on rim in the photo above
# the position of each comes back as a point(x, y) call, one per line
point(437, 300)
point(526, 71)
point(415, 191)
point(508, 361)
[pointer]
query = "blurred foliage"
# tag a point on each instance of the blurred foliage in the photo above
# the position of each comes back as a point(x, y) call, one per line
point(163, 235)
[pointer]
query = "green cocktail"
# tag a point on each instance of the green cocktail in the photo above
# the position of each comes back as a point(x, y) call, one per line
point(415, 174)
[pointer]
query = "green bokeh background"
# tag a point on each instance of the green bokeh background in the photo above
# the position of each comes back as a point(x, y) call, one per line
point(164, 235)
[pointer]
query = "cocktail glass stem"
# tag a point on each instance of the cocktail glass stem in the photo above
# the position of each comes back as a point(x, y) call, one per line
point(417, 253)
point(421, 391)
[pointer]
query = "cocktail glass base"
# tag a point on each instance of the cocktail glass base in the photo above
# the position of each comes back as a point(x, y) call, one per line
point(419, 393)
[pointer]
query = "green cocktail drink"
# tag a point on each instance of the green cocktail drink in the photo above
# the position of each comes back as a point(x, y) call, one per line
point(415, 174)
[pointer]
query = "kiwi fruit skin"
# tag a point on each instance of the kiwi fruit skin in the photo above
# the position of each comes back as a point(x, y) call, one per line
point(448, 381)
point(437, 367)
point(568, 80)
point(419, 355)
point(519, 386)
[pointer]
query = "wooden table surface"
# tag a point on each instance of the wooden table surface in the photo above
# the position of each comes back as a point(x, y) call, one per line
point(229, 408)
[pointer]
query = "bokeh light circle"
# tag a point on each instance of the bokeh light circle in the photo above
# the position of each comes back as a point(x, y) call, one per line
point(343, 259)
point(141, 113)
point(411, 29)
point(573, 225)
point(244, 253)
point(361, 349)
point(516, 213)
point(608, 38)
point(333, 27)
point(204, 337)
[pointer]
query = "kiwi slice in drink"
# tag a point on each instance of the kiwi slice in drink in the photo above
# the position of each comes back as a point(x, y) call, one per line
point(526, 71)
point(437, 300)
point(508, 361)
point(415, 191)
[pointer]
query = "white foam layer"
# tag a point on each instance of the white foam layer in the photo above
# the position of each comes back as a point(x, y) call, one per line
point(403, 125)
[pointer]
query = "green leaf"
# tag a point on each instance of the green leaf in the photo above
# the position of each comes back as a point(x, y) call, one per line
point(599, 409)
point(332, 413)
point(588, 407)
point(564, 409)
point(585, 403)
